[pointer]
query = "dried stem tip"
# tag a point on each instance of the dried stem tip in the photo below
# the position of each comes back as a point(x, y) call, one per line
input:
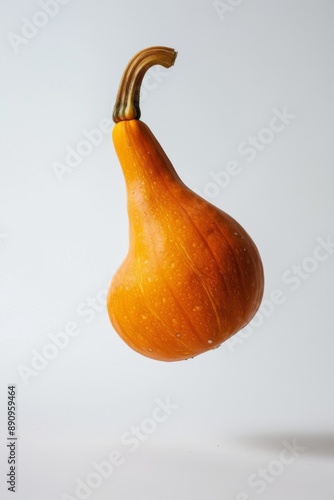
point(127, 101)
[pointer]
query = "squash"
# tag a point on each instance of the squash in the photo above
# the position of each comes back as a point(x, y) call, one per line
point(192, 277)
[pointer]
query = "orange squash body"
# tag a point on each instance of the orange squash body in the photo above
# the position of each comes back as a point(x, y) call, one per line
point(193, 276)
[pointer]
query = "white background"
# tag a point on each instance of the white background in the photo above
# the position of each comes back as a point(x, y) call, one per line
point(62, 238)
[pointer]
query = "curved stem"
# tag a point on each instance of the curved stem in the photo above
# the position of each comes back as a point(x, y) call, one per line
point(127, 101)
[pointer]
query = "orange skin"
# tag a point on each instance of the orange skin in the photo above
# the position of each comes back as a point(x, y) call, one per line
point(193, 277)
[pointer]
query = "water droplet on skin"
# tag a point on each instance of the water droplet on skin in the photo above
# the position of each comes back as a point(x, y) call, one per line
point(210, 341)
point(245, 249)
point(178, 334)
